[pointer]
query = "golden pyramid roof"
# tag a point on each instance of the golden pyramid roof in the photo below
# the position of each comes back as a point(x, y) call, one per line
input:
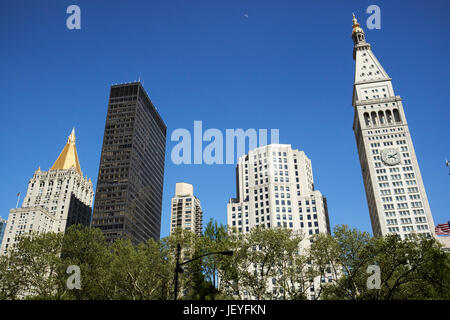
point(68, 157)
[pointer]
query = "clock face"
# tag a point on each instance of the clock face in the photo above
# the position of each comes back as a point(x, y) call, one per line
point(390, 156)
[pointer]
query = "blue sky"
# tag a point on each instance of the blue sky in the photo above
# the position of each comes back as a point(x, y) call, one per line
point(231, 64)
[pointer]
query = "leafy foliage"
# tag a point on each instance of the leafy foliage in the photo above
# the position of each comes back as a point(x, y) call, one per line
point(413, 269)
point(266, 264)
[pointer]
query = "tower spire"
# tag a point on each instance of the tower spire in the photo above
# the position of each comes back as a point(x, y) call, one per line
point(357, 32)
point(355, 22)
point(68, 157)
point(72, 139)
point(358, 36)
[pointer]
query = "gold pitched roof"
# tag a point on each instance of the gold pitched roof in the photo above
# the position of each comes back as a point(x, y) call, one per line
point(68, 157)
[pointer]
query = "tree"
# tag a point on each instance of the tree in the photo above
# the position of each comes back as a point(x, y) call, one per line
point(119, 270)
point(139, 272)
point(11, 279)
point(33, 268)
point(215, 239)
point(409, 269)
point(267, 264)
point(189, 243)
point(346, 256)
point(87, 248)
point(297, 273)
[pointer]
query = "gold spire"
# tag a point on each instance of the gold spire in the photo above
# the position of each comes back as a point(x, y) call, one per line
point(68, 157)
point(356, 26)
point(71, 139)
point(355, 22)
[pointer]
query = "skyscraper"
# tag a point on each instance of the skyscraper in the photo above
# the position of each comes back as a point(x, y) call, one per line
point(129, 191)
point(186, 209)
point(55, 199)
point(275, 188)
point(395, 192)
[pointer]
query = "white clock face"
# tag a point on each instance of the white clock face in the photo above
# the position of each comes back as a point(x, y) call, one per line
point(390, 156)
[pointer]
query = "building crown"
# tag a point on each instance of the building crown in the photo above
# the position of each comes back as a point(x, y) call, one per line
point(356, 27)
point(68, 157)
point(357, 33)
point(359, 38)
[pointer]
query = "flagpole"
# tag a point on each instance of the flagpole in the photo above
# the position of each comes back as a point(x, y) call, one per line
point(18, 198)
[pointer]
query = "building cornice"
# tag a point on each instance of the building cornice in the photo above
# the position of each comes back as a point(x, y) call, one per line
point(377, 101)
point(372, 81)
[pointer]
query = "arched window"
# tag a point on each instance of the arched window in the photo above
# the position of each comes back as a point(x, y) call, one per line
point(374, 118)
point(396, 115)
point(389, 116)
point(367, 118)
point(381, 117)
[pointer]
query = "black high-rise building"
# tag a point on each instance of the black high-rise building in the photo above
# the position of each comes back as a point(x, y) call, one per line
point(128, 198)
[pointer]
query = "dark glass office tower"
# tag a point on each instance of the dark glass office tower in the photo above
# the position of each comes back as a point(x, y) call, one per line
point(129, 191)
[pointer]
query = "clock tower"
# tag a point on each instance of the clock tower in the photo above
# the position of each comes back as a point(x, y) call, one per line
point(395, 192)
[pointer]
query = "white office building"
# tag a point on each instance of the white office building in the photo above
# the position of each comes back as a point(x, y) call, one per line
point(275, 188)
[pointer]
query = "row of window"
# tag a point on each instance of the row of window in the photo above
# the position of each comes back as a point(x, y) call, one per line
point(387, 137)
point(401, 198)
point(403, 205)
point(385, 192)
point(396, 177)
point(386, 131)
point(406, 220)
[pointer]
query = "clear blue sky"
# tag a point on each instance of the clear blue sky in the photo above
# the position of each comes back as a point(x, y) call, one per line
point(232, 64)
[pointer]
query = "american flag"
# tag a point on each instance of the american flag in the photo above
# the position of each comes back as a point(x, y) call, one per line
point(443, 229)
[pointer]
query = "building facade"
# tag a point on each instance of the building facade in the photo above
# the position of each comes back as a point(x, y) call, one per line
point(395, 192)
point(275, 188)
point(55, 199)
point(186, 211)
point(129, 190)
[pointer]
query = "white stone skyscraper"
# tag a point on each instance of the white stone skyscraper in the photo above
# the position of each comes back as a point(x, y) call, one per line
point(395, 192)
point(55, 199)
point(186, 209)
point(275, 188)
